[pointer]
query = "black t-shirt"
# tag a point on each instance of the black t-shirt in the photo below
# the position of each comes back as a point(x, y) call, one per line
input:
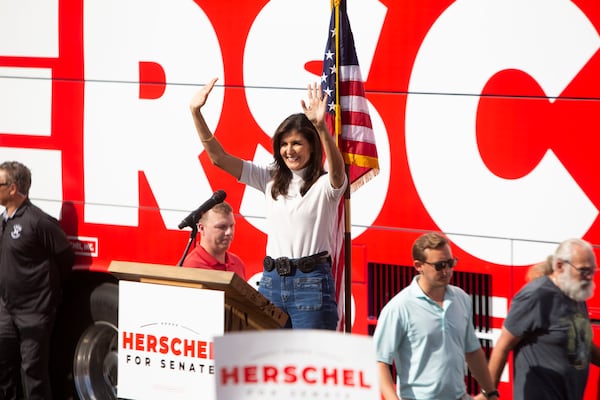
point(552, 359)
point(34, 252)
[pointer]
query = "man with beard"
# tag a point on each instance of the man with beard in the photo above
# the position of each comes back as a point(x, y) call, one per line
point(549, 331)
point(216, 227)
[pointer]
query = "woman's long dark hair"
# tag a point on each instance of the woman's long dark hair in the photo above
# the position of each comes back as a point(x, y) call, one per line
point(281, 174)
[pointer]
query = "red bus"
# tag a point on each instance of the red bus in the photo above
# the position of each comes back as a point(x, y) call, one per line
point(485, 115)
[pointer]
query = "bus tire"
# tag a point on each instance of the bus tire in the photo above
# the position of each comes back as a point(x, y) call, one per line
point(95, 360)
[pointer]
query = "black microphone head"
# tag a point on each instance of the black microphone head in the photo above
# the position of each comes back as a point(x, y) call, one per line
point(219, 196)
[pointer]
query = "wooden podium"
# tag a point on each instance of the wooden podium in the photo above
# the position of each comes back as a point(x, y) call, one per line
point(245, 307)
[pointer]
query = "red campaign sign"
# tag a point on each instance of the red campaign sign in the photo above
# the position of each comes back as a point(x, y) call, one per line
point(290, 374)
point(177, 346)
point(484, 114)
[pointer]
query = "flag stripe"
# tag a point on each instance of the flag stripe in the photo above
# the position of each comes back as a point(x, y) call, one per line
point(351, 73)
point(357, 126)
point(364, 162)
point(354, 103)
point(358, 148)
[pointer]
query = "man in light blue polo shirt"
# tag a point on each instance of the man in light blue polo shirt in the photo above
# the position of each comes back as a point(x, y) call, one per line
point(427, 333)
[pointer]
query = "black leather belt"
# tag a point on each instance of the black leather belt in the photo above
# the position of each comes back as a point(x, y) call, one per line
point(287, 266)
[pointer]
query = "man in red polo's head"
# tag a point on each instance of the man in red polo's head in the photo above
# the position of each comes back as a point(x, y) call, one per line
point(216, 227)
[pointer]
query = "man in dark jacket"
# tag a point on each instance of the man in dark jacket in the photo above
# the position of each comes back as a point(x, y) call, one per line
point(34, 255)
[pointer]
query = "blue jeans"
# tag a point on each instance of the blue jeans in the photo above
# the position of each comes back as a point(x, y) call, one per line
point(308, 298)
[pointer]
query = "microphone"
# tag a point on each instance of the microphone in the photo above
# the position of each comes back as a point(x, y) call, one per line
point(192, 219)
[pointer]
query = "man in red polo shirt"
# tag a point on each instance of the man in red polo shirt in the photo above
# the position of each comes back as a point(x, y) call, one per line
point(216, 227)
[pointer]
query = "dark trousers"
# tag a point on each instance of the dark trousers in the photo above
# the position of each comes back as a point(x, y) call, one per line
point(25, 347)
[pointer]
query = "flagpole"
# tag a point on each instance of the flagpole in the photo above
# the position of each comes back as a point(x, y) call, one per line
point(347, 258)
point(340, 67)
point(347, 220)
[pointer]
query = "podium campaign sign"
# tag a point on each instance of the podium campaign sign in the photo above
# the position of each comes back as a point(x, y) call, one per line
point(166, 341)
point(295, 364)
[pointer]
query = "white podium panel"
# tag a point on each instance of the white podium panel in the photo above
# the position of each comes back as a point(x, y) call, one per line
point(166, 341)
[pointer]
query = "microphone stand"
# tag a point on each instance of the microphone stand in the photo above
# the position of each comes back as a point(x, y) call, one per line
point(191, 240)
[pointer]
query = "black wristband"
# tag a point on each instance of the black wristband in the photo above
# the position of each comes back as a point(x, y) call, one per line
point(490, 393)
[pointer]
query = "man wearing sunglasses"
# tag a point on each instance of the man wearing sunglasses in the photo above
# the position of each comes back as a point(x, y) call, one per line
point(548, 329)
point(426, 332)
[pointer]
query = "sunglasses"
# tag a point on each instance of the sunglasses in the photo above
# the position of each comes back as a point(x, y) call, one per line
point(440, 265)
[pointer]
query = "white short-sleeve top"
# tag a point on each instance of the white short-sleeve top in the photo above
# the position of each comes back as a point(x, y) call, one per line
point(297, 226)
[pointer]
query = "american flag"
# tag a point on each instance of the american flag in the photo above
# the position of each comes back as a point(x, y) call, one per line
point(348, 119)
point(348, 116)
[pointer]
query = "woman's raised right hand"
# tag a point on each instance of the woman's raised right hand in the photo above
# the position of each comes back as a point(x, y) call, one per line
point(200, 97)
